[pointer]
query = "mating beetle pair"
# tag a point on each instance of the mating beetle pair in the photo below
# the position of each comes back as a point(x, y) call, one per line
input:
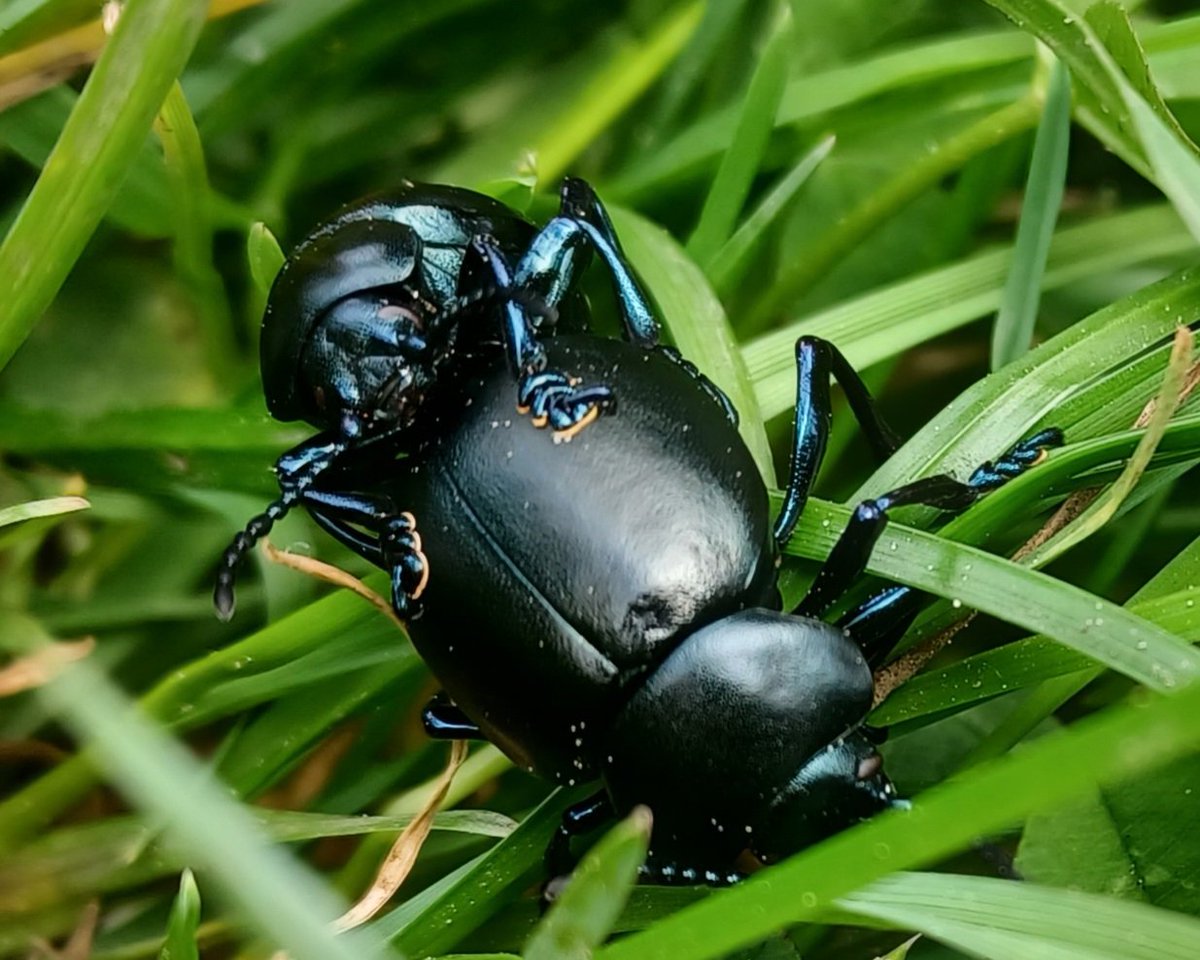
point(599, 598)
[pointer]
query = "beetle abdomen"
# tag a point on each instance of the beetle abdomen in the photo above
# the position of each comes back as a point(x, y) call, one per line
point(647, 524)
point(612, 546)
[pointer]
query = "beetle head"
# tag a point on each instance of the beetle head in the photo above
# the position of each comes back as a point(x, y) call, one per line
point(836, 788)
point(347, 327)
point(368, 357)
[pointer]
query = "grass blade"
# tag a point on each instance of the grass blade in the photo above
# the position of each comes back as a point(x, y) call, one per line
point(51, 507)
point(985, 582)
point(730, 187)
point(1105, 506)
point(286, 903)
point(886, 322)
point(611, 92)
point(151, 43)
point(696, 321)
point(588, 908)
point(1000, 919)
point(184, 921)
point(733, 258)
point(1039, 213)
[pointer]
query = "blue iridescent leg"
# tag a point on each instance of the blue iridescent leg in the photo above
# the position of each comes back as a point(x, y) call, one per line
point(550, 396)
point(559, 251)
point(580, 202)
point(816, 361)
point(390, 540)
point(848, 559)
point(445, 721)
point(879, 622)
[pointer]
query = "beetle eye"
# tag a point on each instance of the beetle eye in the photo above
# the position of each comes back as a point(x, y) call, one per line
point(869, 766)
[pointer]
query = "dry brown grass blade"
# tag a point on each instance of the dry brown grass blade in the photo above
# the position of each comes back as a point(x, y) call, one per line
point(400, 859)
point(27, 72)
point(330, 574)
point(41, 666)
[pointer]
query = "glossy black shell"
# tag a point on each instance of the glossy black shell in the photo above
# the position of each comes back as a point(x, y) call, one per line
point(607, 549)
point(416, 235)
point(714, 738)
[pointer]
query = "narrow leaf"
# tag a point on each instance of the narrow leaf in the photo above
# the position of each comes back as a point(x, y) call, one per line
point(286, 903)
point(973, 578)
point(51, 507)
point(1104, 507)
point(999, 919)
point(731, 185)
point(588, 908)
point(734, 257)
point(612, 91)
point(183, 923)
point(265, 256)
point(106, 129)
point(1039, 213)
point(696, 321)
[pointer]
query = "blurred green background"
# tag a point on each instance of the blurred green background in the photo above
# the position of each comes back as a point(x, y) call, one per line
point(993, 208)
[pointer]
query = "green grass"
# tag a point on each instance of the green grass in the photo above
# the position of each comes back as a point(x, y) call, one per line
point(894, 176)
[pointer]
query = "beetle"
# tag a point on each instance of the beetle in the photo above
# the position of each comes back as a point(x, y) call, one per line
point(381, 303)
point(607, 608)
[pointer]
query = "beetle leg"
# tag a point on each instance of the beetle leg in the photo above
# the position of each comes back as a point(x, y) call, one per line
point(396, 545)
point(558, 251)
point(848, 559)
point(877, 624)
point(443, 720)
point(550, 396)
point(577, 819)
point(668, 873)
point(816, 361)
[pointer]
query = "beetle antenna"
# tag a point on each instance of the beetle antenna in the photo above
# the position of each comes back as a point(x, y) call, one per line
point(258, 527)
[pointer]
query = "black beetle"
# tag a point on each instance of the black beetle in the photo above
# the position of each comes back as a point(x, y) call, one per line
point(607, 608)
point(383, 302)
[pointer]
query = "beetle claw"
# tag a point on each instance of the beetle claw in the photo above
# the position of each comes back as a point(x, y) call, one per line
point(552, 399)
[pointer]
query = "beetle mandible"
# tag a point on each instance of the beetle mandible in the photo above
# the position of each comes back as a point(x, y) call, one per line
point(382, 303)
point(607, 609)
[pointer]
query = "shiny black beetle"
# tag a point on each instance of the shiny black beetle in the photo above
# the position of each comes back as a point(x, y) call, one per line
point(382, 305)
point(606, 607)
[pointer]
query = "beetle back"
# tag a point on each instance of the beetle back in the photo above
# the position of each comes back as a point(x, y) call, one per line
point(611, 547)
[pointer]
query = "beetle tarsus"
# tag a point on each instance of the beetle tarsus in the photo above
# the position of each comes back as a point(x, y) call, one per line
point(554, 400)
point(670, 874)
point(879, 623)
point(1023, 455)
